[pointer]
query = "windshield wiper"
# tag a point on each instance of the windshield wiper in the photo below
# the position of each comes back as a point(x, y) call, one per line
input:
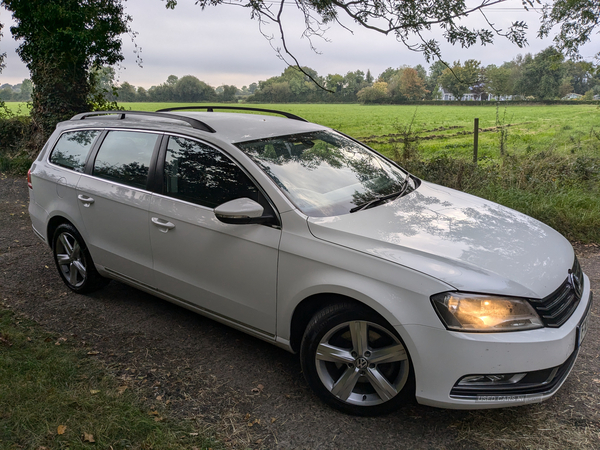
point(379, 200)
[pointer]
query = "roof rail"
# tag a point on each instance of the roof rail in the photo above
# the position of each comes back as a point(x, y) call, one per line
point(241, 108)
point(194, 123)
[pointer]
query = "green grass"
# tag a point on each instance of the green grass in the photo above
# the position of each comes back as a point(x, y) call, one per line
point(575, 212)
point(551, 170)
point(532, 122)
point(18, 108)
point(46, 383)
point(561, 128)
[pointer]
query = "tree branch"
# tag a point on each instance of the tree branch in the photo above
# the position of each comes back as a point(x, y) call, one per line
point(296, 62)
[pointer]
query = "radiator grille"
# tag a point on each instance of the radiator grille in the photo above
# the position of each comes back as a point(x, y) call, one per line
point(556, 308)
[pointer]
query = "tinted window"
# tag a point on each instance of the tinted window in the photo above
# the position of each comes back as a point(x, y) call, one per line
point(125, 156)
point(72, 148)
point(201, 174)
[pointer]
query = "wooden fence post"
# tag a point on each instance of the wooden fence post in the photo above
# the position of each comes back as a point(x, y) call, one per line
point(475, 140)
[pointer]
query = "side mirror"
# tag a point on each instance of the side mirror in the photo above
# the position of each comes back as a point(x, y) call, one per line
point(241, 211)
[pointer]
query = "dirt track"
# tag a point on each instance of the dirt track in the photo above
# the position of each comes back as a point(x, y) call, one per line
point(252, 394)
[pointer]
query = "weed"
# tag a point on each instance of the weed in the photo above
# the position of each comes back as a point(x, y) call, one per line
point(15, 134)
point(576, 141)
point(587, 168)
point(409, 140)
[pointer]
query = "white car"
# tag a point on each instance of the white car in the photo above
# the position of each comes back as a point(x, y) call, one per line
point(388, 286)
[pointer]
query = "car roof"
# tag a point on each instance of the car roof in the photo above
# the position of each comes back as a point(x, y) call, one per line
point(228, 127)
point(239, 127)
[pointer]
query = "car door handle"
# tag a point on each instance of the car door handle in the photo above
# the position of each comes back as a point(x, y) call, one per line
point(87, 201)
point(161, 224)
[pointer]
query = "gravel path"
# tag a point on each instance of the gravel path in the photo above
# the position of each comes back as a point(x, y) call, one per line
point(252, 394)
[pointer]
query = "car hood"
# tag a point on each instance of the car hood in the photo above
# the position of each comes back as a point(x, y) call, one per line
point(469, 243)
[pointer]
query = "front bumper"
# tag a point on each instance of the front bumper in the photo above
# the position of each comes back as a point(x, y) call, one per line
point(441, 358)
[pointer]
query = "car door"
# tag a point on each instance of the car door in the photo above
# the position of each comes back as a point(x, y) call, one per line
point(113, 201)
point(227, 270)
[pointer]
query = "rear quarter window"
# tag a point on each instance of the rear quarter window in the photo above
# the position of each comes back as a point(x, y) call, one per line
point(72, 149)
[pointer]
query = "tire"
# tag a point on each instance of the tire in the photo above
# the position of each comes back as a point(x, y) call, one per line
point(73, 261)
point(356, 362)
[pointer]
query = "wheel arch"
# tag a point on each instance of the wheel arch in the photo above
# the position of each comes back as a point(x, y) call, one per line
point(53, 224)
point(308, 307)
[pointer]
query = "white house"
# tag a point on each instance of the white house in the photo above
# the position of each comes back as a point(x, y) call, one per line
point(572, 96)
point(469, 96)
point(500, 98)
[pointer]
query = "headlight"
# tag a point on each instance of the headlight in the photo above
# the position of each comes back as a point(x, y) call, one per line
point(485, 313)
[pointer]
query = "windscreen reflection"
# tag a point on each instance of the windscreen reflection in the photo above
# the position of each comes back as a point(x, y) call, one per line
point(324, 173)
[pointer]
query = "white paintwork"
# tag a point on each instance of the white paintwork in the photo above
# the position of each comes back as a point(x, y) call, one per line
point(308, 266)
point(470, 243)
point(479, 353)
point(392, 257)
point(115, 227)
point(228, 269)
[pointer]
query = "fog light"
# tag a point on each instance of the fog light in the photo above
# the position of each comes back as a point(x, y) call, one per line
point(491, 380)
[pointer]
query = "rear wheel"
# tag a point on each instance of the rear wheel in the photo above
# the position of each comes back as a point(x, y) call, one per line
point(74, 262)
point(356, 362)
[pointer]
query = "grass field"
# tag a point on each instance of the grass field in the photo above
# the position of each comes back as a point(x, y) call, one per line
point(550, 168)
point(561, 128)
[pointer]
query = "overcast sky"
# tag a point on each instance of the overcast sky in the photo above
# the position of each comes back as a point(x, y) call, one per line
point(222, 45)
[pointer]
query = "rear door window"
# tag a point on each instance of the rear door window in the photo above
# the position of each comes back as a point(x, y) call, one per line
point(125, 156)
point(72, 149)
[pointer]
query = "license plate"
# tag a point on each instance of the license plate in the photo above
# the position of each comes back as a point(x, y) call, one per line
point(582, 328)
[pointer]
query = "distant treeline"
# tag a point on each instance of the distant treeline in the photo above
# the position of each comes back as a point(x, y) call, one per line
point(18, 93)
point(544, 76)
point(184, 89)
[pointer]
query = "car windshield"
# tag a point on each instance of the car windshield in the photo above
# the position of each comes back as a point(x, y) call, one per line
point(327, 174)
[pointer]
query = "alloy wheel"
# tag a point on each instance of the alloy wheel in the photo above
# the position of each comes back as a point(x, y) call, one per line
point(362, 363)
point(70, 259)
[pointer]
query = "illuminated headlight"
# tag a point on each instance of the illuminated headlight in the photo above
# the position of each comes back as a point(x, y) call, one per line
point(485, 313)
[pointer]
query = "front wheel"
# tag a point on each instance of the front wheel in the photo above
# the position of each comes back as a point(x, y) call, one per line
point(356, 362)
point(74, 262)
